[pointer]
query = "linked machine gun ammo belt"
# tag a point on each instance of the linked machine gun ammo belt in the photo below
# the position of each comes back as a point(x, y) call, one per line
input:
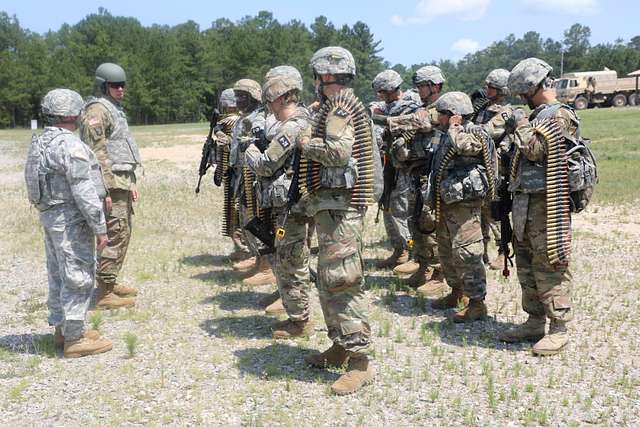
point(362, 193)
point(261, 223)
point(222, 150)
point(558, 218)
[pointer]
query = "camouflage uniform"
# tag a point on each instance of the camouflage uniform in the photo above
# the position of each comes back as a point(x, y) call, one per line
point(273, 168)
point(104, 128)
point(70, 192)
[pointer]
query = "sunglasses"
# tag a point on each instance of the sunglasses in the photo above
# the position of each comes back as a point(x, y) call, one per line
point(117, 85)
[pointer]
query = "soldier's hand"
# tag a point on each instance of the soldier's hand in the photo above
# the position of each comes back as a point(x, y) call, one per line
point(456, 119)
point(422, 115)
point(302, 142)
point(135, 195)
point(101, 242)
point(108, 204)
point(221, 138)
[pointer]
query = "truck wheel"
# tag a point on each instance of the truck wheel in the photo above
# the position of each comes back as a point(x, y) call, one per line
point(633, 100)
point(581, 103)
point(619, 100)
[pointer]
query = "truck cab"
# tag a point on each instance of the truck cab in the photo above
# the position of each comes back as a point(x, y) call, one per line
point(594, 88)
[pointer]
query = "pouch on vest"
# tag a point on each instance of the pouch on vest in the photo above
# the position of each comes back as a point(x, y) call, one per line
point(583, 174)
point(465, 185)
point(32, 175)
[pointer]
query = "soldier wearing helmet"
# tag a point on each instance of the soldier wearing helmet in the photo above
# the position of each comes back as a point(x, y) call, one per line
point(394, 202)
point(496, 117)
point(545, 286)
point(339, 225)
point(414, 157)
point(69, 194)
point(459, 182)
point(274, 169)
point(104, 128)
point(250, 128)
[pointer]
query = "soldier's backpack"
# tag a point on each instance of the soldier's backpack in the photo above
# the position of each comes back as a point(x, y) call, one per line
point(33, 171)
point(583, 173)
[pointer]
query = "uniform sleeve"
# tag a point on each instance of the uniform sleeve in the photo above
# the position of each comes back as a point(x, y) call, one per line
point(95, 126)
point(413, 122)
point(278, 151)
point(465, 143)
point(335, 149)
point(83, 189)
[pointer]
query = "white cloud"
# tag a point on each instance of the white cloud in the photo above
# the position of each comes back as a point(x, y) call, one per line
point(565, 7)
point(465, 46)
point(467, 10)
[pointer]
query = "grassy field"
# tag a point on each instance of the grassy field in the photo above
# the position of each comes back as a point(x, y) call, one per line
point(197, 347)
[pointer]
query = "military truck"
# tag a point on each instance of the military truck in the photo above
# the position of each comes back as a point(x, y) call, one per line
point(596, 88)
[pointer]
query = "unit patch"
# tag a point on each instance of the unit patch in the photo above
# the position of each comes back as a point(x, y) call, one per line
point(284, 142)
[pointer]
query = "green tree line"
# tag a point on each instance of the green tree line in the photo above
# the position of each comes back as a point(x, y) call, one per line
point(175, 73)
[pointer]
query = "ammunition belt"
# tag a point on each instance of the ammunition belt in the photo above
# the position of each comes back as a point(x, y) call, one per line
point(248, 178)
point(229, 208)
point(362, 151)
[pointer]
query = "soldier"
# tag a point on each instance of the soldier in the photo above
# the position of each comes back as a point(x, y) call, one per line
point(250, 127)
point(281, 91)
point(415, 154)
point(339, 224)
point(545, 286)
point(463, 174)
point(395, 198)
point(65, 184)
point(493, 117)
point(105, 130)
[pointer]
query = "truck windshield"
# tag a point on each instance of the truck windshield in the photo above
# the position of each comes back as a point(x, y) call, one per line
point(562, 84)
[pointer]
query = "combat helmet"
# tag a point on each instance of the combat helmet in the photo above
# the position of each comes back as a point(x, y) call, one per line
point(109, 73)
point(527, 75)
point(387, 80)
point(227, 99)
point(499, 79)
point(333, 60)
point(280, 80)
point(252, 87)
point(455, 103)
point(62, 103)
point(428, 73)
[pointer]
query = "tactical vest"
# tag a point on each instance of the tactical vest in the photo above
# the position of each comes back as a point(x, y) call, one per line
point(122, 148)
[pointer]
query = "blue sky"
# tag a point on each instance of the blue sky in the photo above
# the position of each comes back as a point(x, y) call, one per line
point(411, 31)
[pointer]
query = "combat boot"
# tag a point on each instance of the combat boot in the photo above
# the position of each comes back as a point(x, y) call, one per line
point(452, 300)
point(106, 299)
point(292, 329)
point(336, 356)
point(86, 347)
point(434, 286)
point(275, 308)
point(554, 342)
point(531, 330)
point(475, 310)
point(58, 338)
point(359, 373)
point(398, 257)
point(264, 275)
point(245, 265)
point(237, 256)
point(419, 278)
point(407, 268)
point(124, 291)
point(497, 263)
point(269, 299)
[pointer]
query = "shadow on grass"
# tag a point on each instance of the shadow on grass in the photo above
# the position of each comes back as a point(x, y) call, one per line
point(220, 277)
point(204, 260)
point(281, 361)
point(255, 326)
point(39, 344)
point(238, 300)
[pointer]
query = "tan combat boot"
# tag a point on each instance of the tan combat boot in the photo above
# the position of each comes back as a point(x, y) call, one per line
point(554, 342)
point(407, 268)
point(531, 330)
point(475, 310)
point(58, 338)
point(497, 263)
point(398, 257)
point(106, 299)
point(275, 308)
point(359, 373)
point(434, 286)
point(86, 347)
point(245, 265)
point(452, 300)
point(292, 329)
point(264, 275)
point(336, 356)
point(124, 291)
point(418, 278)
point(237, 256)
point(269, 299)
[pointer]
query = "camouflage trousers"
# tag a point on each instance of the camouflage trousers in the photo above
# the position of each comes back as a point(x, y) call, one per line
point(71, 268)
point(292, 265)
point(112, 257)
point(460, 248)
point(546, 288)
point(341, 278)
point(490, 227)
point(425, 246)
point(396, 217)
point(253, 243)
